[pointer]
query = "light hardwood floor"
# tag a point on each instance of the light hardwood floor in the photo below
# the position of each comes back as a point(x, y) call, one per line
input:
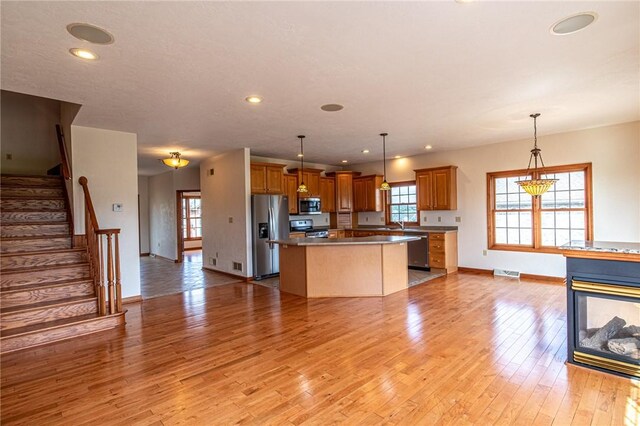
point(464, 349)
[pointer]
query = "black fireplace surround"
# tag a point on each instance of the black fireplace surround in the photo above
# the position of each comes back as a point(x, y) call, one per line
point(603, 311)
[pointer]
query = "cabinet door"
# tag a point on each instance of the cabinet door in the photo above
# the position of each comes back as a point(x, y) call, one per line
point(359, 195)
point(274, 180)
point(344, 193)
point(424, 189)
point(291, 190)
point(444, 191)
point(373, 196)
point(258, 180)
point(313, 183)
point(331, 195)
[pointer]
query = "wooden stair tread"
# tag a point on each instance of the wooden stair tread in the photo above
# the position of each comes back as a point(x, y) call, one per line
point(49, 304)
point(35, 237)
point(9, 175)
point(30, 197)
point(48, 325)
point(45, 268)
point(9, 290)
point(47, 222)
point(37, 252)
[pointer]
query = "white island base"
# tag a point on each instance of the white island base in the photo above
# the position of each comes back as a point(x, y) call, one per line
point(344, 267)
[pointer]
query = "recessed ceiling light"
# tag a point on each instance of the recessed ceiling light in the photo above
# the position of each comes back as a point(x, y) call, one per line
point(83, 54)
point(300, 155)
point(574, 23)
point(428, 147)
point(331, 107)
point(365, 151)
point(397, 156)
point(90, 33)
point(345, 161)
point(253, 99)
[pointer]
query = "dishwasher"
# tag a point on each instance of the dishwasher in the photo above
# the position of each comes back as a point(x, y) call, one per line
point(419, 253)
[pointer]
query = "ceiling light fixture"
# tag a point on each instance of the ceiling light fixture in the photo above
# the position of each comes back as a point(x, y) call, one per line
point(385, 185)
point(90, 33)
point(538, 186)
point(345, 161)
point(573, 24)
point(397, 157)
point(302, 188)
point(83, 54)
point(365, 151)
point(332, 107)
point(175, 161)
point(428, 147)
point(253, 99)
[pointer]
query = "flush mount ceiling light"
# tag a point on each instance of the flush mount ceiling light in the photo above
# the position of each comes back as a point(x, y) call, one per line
point(574, 23)
point(428, 147)
point(385, 185)
point(302, 188)
point(345, 161)
point(83, 54)
point(331, 107)
point(537, 186)
point(365, 151)
point(253, 99)
point(90, 33)
point(175, 161)
point(397, 157)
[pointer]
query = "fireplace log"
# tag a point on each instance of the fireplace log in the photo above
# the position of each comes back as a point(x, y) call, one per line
point(610, 329)
point(629, 331)
point(626, 346)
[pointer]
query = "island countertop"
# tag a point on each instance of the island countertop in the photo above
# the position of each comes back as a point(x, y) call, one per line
point(408, 230)
point(376, 239)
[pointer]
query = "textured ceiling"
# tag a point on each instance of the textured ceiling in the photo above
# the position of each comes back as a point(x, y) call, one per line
point(442, 73)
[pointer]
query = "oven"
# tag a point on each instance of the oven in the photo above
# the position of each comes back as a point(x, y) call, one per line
point(309, 206)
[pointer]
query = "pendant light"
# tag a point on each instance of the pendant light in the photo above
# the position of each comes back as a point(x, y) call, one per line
point(175, 161)
point(385, 185)
point(536, 187)
point(302, 188)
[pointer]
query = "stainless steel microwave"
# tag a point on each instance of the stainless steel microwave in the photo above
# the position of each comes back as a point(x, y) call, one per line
point(309, 206)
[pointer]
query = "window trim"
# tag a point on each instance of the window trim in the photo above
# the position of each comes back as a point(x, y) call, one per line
point(186, 198)
point(536, 209)
point(387, 214)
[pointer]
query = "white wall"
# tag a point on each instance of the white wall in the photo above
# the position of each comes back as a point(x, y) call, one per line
point(163, 231)
point(143, 198)
point(225, 196)
point(614, 152)
point(108, 159)
point(28, 133)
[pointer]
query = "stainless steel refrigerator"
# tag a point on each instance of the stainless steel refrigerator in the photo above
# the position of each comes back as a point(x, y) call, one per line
point(270, 221)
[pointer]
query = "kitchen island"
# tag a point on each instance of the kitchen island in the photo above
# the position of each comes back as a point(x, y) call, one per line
point(344, 267)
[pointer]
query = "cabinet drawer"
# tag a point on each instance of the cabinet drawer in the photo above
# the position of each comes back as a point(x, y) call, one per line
point(436, 246)
point(436, 237)
point(436, 260)
point(333, 234)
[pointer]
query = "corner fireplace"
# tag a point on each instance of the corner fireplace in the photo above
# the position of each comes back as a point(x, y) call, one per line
point(603, 308)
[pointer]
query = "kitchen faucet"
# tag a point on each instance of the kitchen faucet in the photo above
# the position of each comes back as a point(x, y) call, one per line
point(401, 223)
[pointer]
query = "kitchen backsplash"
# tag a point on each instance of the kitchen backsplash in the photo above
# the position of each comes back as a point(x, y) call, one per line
point(427, 218)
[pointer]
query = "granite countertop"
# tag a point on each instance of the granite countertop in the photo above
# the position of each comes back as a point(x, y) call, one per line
point(408, 230)
point(377, 239)
point(603, 247)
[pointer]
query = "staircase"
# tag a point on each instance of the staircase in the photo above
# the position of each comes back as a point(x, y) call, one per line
point(47, 292)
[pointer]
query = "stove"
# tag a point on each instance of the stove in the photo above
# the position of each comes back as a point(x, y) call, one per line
point(306, 226)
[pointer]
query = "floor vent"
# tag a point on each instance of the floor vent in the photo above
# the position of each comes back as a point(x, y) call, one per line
point(505, 273)
point(237, 266)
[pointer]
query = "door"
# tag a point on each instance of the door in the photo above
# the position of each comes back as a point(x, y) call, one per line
point(441, 189)
point(274, 180)
point(344, 191)
point(260, 208)
point(424, 188)
point(258, 179)
point(359, 195)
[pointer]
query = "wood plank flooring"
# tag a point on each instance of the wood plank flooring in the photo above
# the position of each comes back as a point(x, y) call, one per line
point(462, 349)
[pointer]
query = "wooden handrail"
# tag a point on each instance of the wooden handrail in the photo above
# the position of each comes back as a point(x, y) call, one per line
point(104, 261)
point(64, 157)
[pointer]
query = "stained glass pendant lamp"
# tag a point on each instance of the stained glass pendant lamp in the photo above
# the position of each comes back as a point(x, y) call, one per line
point(302, 187)
point(175, 161)
point(536, 187)
point(385, 185)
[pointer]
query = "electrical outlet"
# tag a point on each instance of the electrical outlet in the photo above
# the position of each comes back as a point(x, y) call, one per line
point(424, 218)
point(210, 172)
point(230, 219)
point(439, 218)
point(213, 262)
point(326, 220)
point(366, 219)
point(382, 219)
point(458, 219)
point(117, 207)
point(216, 255)
point(484, 252)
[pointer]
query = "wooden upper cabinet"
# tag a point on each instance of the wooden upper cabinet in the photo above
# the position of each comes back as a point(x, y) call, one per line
point(311, 178)
point(291, 191)
point(367, 196)
point(344, 190)
point(328, 194)
point(267, 178)
point(437, 188)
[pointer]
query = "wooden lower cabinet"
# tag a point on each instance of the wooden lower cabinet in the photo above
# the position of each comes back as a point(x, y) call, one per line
point(443, 251)
point(296, 235)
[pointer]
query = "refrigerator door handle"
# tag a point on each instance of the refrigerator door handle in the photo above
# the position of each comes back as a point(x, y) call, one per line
point(271, 231)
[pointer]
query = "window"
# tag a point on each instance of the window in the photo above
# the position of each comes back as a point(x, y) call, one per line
point(191, 218)
point(401, 203)
point(517, 221)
